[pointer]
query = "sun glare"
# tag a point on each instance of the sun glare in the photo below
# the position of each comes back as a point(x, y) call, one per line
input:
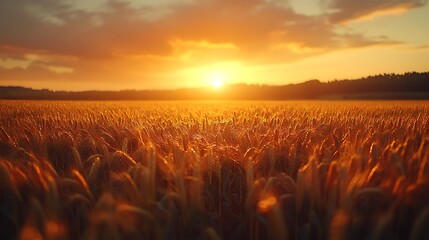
point(217, 78)
point(217, 83)
point(214, 76)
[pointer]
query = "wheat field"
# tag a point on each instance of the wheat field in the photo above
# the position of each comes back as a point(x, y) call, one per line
point(214, 170)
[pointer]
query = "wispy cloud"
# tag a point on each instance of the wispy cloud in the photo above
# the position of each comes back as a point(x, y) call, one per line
point(350, 10)
point(421, 47)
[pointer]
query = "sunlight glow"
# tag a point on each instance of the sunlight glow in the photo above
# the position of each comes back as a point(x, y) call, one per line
point(217, 78)
point(217, 83)
point(267, 203)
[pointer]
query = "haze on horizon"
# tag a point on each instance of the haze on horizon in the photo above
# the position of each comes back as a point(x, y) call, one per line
point(165, 44)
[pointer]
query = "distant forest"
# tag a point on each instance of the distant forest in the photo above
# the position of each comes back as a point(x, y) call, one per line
point(411, 85)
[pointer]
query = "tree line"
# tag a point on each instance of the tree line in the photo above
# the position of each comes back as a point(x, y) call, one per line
point(410, 85)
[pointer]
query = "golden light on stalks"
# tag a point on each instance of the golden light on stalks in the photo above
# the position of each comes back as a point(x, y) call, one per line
point(55, 230)
point(266, 204)
point(29, 232)
point(187, 170)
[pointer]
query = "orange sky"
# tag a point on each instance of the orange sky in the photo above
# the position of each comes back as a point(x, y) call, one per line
point(153, 44)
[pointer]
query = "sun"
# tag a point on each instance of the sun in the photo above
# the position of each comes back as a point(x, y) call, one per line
point(217, 83)
point(217, 78)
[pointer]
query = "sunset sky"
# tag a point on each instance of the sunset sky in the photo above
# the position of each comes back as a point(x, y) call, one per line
point(157, 44)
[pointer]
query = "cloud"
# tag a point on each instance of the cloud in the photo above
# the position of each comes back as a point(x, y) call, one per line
point(30, 61)
point(12, 63)
point(130, 38)
point(56, 27)
point(421, 47)
point(349, 10)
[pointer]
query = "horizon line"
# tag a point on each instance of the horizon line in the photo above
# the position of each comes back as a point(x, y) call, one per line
point(225, 84)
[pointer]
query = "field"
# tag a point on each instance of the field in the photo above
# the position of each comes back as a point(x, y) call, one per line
point(214, 170)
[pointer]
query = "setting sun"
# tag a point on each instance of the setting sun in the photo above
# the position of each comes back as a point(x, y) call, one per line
point(217, 78)
point(217, 83)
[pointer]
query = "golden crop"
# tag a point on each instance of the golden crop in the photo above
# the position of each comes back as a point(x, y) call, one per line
point(214, 170)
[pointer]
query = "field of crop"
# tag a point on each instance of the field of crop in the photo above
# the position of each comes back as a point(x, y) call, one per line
point(214, 170)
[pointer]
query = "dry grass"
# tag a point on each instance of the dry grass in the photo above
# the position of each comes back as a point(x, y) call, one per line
point(214, 170)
